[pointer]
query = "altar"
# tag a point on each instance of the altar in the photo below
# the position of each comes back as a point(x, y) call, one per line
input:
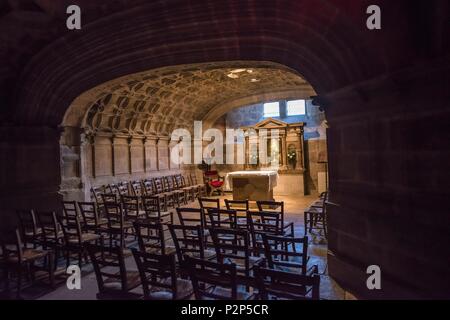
point(252, 185)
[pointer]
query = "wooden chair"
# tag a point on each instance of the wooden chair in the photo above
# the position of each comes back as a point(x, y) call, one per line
point(151, 238)
point(150, 190)
point(113, 279)
point(195, 189)
point(189, 241)
point(233, 246)
point(260, 223)
point(315, 217)
point(91, 218)
point(147, 187)
point(201, 187)
point(193, 217)
point(179, 195)
point(96, 195)
point(213, 281)
point(110, 198)
point(189, 191)
point(280, 257)
point(159, 277)
point(111, 188)
point(241, 207)
point(155, 210)
point(122, 189)
point(117, 226)
point(278, 207)
point(136, 188)
point(52, 234)
point(70, 208)
point(29, 229)
point(208, 203)
point(19, 259)
point(132, 207)
point(159, 188)
point(220, 218)
point(75, 240)
point(275, 284)
point(214, 181)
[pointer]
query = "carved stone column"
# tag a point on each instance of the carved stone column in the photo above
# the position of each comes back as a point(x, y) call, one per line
point(300, 152)
point(284, 150)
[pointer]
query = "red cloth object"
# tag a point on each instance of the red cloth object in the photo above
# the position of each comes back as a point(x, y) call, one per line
point(216, 184)
point(211, 173)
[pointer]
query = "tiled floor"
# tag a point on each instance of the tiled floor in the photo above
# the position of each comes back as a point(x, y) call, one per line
point(294, 207)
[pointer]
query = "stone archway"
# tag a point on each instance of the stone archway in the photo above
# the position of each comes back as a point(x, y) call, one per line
point(386, 181)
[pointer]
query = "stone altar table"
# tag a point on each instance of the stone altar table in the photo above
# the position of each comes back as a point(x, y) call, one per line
point(252, 185)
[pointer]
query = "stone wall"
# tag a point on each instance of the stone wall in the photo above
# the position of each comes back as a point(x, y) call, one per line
point(28, 179)
point(103, 159)
point(389, 178)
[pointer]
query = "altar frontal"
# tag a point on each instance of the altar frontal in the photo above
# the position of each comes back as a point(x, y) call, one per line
point(252, 185)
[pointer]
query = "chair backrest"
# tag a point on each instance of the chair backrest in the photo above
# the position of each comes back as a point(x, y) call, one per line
point(207, 274)
point(122, 188)
point(150, 237)
point(48, 222)
point(240, 206)
point(148, 187)
point(11, 245)
point(152, 207)
point(279, 252)
point(111, 188)
point(272, 206)
point(96, 193)
point(231, 245)
point(219, 218)
point(114, 213)
point(27, 222)
point(158, 184)
point(136, 188)
point(156, 271)
point(179, 181)
point(89, 213)
point(193, 177)
point(70, 208)
point(188, 240)
point(191, 216)
point(110, 198)
point(186, 180)
point(130, 205)
point(286, 285)
point(168, 183)
point(210, 176)
point(109, 263)
point(71, 227)
point(208, 203)
point(263, 222)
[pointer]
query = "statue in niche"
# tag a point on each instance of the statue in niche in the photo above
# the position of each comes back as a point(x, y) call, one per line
point(292, 156)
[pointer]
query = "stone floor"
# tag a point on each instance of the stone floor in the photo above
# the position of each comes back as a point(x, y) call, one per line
point(294, 207)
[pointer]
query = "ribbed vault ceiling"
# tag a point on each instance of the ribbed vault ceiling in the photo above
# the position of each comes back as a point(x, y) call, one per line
point(157, 101)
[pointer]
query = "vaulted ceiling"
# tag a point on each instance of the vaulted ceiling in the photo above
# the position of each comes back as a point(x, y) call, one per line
point(157, 101)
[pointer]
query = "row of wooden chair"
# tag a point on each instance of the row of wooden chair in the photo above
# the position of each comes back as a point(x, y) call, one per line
point(258, 245)
point(172, 190)
point(214, 274)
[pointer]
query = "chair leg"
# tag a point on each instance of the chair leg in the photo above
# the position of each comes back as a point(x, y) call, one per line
point(51, 273)
point(19, 281)
point(305, 218)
